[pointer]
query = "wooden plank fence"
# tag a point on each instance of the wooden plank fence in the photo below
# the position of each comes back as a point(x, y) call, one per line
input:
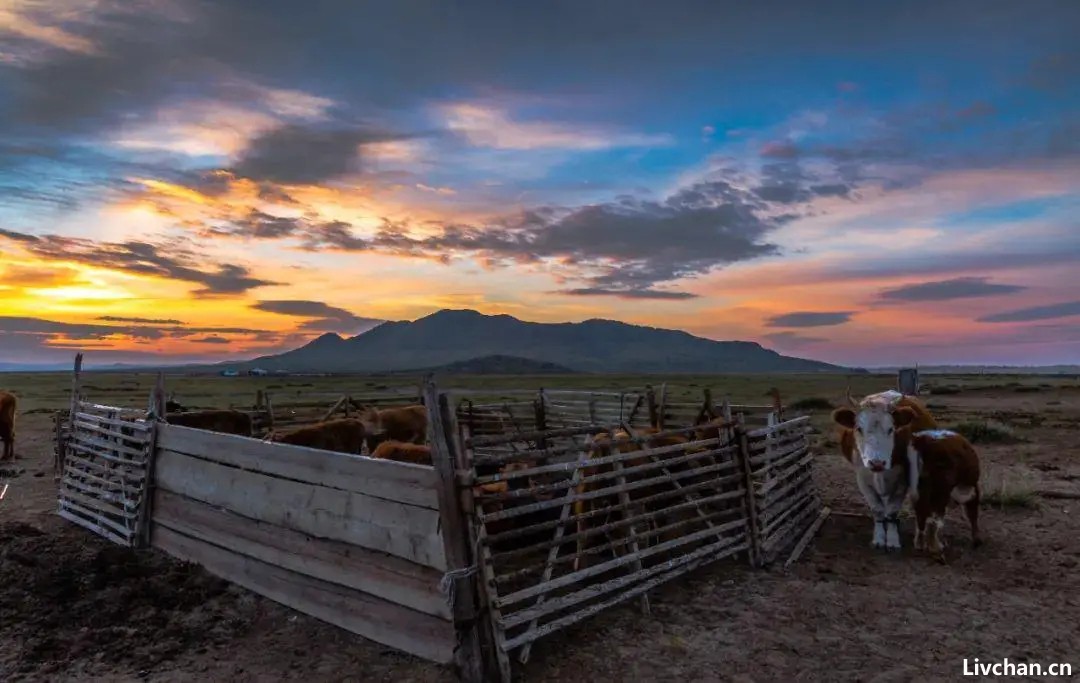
point(466, 561)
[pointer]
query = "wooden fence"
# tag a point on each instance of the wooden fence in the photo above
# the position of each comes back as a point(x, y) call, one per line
point(465, 561)
point(573, 530)
point(104, 467)
point(350, 540)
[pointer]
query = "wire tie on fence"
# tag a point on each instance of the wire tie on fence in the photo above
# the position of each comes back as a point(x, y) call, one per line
point(448, 582)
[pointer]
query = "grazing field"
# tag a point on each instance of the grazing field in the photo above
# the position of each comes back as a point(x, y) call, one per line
point(72, 605)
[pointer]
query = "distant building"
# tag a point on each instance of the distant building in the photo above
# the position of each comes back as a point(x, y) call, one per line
point(258, 372)
point(230, 373)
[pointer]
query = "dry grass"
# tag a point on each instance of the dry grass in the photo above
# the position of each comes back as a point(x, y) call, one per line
point(987, 431)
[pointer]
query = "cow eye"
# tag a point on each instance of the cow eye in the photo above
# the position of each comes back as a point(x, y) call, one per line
point(890, 431)
point(859, 430)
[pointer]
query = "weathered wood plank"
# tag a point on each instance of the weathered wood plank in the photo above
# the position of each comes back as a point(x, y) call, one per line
point(384, 622)
point(67, 512)
point(384, 576)
point(395, 481)
point(403, 530)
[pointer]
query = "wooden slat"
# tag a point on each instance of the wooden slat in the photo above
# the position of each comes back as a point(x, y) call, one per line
point(90, 439)
point(108, 457)
point(384, 576)
point(393, 481)
point(379, 524)
point(97, 518)
point(135, 476)
point(66, 512)
point(420, 634)
point(90, 417)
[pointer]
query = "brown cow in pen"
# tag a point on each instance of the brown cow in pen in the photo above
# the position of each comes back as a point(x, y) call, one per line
point(604, 444)
point(224, 421)
point(7, 424)
point(345, 435)
point(403, 451)
point(407, 424)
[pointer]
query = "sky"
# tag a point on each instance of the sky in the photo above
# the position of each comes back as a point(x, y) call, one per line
point(862, 183)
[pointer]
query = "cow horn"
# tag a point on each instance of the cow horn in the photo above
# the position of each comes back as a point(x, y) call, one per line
point(850, 399)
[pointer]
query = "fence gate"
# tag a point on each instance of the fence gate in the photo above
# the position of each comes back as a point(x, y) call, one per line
point(561, 536)
point(104, 471)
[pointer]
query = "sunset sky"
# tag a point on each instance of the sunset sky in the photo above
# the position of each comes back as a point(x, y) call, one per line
point(858, 182)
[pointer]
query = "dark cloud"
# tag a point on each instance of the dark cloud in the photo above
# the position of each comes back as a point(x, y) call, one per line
point(144, 258)
point(298, 154)
point(628, 293)
point(138, 321)
point(809, 319)
point(321, 317)
point(945, 290)
point(782, 149)
point(211, 340)
point(25, 325)
point(265, 226)
point(1062, 310)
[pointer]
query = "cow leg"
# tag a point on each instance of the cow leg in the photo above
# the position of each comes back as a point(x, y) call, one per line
point(922, 511)
point(876, 509)
point(935, 544)
point(892, 520)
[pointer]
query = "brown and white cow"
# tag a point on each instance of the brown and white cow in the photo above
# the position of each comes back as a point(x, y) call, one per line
point(7, 424)
point(948, 469)
point(875, 436)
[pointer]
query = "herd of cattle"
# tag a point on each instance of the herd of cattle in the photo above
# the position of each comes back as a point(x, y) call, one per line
point(893, 443)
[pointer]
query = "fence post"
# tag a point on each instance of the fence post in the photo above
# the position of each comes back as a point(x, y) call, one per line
point(650, 398)
point(750, 500)
point(663, 407)
point(708, 411)
point(541, 418)
point(146, 505)
point(468, 654)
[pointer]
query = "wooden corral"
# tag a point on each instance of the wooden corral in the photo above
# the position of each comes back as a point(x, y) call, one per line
point(284, 411)
point(525, 524)
point(347, 539)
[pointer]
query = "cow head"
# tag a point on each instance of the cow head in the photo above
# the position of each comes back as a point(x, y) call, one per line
point(876, 425)
point(369, 417)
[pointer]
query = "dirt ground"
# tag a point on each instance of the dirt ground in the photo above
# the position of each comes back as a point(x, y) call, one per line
point(76, 607)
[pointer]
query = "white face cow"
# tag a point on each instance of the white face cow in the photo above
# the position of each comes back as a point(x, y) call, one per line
point(874, 422)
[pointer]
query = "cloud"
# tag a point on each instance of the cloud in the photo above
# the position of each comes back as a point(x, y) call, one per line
point(945, 290)
point(307, 155)
point(322, 317)
point(810, 319)
point(36, 276)
point(487, 126)
point(144, 258)
point(782, 149)
point(1062, 310)
point(139, 321)
point(659, 294)
point(212, 339)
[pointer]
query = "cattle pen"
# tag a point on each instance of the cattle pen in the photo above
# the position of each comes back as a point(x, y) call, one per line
point(467, 561)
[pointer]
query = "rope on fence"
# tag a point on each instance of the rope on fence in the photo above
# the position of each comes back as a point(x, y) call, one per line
point(448, 582)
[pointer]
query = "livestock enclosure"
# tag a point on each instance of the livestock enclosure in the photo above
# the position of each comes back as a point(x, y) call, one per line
point(521, 527)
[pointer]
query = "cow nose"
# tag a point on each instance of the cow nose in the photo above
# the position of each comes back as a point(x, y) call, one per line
point(877, 465)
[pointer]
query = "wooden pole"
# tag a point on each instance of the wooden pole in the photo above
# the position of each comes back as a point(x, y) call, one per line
point(459, 557)
point(541, 418)
point(146, 504)
point(663, 406)
point(743, 456)
point(650, 398)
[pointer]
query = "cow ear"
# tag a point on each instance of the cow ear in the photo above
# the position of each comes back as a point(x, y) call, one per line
point(902, 417)
point(845, 417)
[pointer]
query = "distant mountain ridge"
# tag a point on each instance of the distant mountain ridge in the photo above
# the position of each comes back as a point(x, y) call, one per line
point(497, 365)
point(457, 336)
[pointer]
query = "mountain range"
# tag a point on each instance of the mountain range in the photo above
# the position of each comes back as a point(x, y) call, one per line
point(450, 337)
